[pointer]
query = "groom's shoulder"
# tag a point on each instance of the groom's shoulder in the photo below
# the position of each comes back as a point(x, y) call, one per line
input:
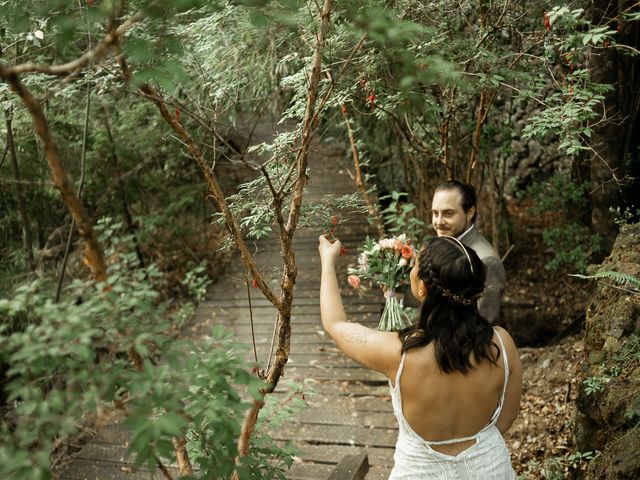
point(481, 245)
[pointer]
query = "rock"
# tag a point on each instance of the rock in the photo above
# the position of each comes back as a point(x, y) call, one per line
point(607, 417)
point(535, 150)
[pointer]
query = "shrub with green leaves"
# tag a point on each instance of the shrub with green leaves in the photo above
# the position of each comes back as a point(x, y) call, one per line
point(66, 360)
point(571, 243)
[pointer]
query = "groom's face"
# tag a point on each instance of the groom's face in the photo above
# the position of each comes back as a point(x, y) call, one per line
point(448, 216)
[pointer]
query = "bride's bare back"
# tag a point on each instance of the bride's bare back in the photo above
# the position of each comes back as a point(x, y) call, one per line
point(441, 406)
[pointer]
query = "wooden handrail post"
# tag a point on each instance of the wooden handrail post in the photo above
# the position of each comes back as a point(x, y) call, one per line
point(351, 467)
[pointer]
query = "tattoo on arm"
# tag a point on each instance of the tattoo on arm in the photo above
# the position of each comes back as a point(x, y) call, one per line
point(358, 336)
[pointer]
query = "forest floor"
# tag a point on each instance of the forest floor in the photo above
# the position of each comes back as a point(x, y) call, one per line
point(541, 440)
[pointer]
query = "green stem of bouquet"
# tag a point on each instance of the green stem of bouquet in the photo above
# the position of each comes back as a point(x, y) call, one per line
point(393, 317)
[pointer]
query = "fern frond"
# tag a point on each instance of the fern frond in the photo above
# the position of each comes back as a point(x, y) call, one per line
point(617, 277)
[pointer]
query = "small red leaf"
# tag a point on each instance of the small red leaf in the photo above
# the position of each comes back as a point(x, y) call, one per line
point(547, 21)
point(372, 100)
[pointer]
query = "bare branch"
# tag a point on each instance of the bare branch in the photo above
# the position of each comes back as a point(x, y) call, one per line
point(99, 51)
point(93, 253)
point(372, 206)
point(157, 99)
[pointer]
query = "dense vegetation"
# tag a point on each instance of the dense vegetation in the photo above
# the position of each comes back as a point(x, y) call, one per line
point(124, 165)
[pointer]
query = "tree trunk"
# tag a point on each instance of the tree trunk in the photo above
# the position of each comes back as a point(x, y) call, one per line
point(93, 252)
point(120, 188)
point(612, 140)
point(372, 203)
point(27, 237)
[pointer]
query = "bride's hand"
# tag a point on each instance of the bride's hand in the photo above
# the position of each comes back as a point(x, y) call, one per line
point(329, 251)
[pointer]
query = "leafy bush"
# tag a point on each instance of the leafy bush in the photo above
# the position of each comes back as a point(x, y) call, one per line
point(572, 243)
point(400, 217)
point(64, 361)
point(558, 468)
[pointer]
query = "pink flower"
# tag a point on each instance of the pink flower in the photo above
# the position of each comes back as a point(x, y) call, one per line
point(354, 281)
point(398, 244)
point(407, 252)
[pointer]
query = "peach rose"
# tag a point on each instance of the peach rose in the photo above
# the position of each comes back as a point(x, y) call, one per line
point(354, 281)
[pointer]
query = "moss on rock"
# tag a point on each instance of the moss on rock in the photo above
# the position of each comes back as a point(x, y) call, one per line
point(608, 418)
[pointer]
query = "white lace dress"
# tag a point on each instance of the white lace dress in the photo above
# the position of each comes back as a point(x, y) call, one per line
point(415, 459)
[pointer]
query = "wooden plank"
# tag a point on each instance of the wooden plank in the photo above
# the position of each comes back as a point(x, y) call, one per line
point(232, 309)
point(303, 326)
point(362, 404)
point(339, 374)
point(378, 473)
point(350, 389)
point(112, 452)
point(345, 416)
point(378, 456)
point(98, 469)
point(354, 435)
point(308, 471)
point(351, 467)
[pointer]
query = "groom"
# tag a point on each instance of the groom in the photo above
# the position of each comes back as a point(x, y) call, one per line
point(453, 211)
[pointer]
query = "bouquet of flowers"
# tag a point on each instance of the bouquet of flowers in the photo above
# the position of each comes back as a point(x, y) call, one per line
point(386, 263)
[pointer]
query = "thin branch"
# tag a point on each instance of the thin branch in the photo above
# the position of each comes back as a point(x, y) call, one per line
point(163, 469)
point(334, 81)
point(27, 239)
point(372, 207)
point(41, 183)
point(253, 333)
point(99, 51)
point(93, 253)
point(4, 154)
point(232, 224)
point(72, 227)
point(307, 122)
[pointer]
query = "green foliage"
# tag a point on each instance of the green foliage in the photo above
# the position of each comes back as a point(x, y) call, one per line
point(572, 244)
point(620, 364)
point(623, 279)
point(400, 217)
point(595, 384)
point(557, 468)
point(625, 215)
point(568, 111)
point(253, 205)
point(67, 359)
point(577, 100)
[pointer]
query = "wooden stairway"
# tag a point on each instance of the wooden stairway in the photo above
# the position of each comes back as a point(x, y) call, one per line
point(350, 409)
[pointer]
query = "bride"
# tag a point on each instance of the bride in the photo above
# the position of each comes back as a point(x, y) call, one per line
point(455, 380)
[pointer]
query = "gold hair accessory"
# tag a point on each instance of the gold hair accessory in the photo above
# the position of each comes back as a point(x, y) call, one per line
point(463, 249)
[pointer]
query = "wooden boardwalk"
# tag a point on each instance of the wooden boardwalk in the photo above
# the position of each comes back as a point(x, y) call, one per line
point(350, 410)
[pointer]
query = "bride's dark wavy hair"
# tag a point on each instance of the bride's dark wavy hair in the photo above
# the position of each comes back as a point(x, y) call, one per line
point(449, 316)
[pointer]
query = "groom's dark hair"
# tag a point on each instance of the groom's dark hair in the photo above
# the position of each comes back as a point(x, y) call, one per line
point(467, 193)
